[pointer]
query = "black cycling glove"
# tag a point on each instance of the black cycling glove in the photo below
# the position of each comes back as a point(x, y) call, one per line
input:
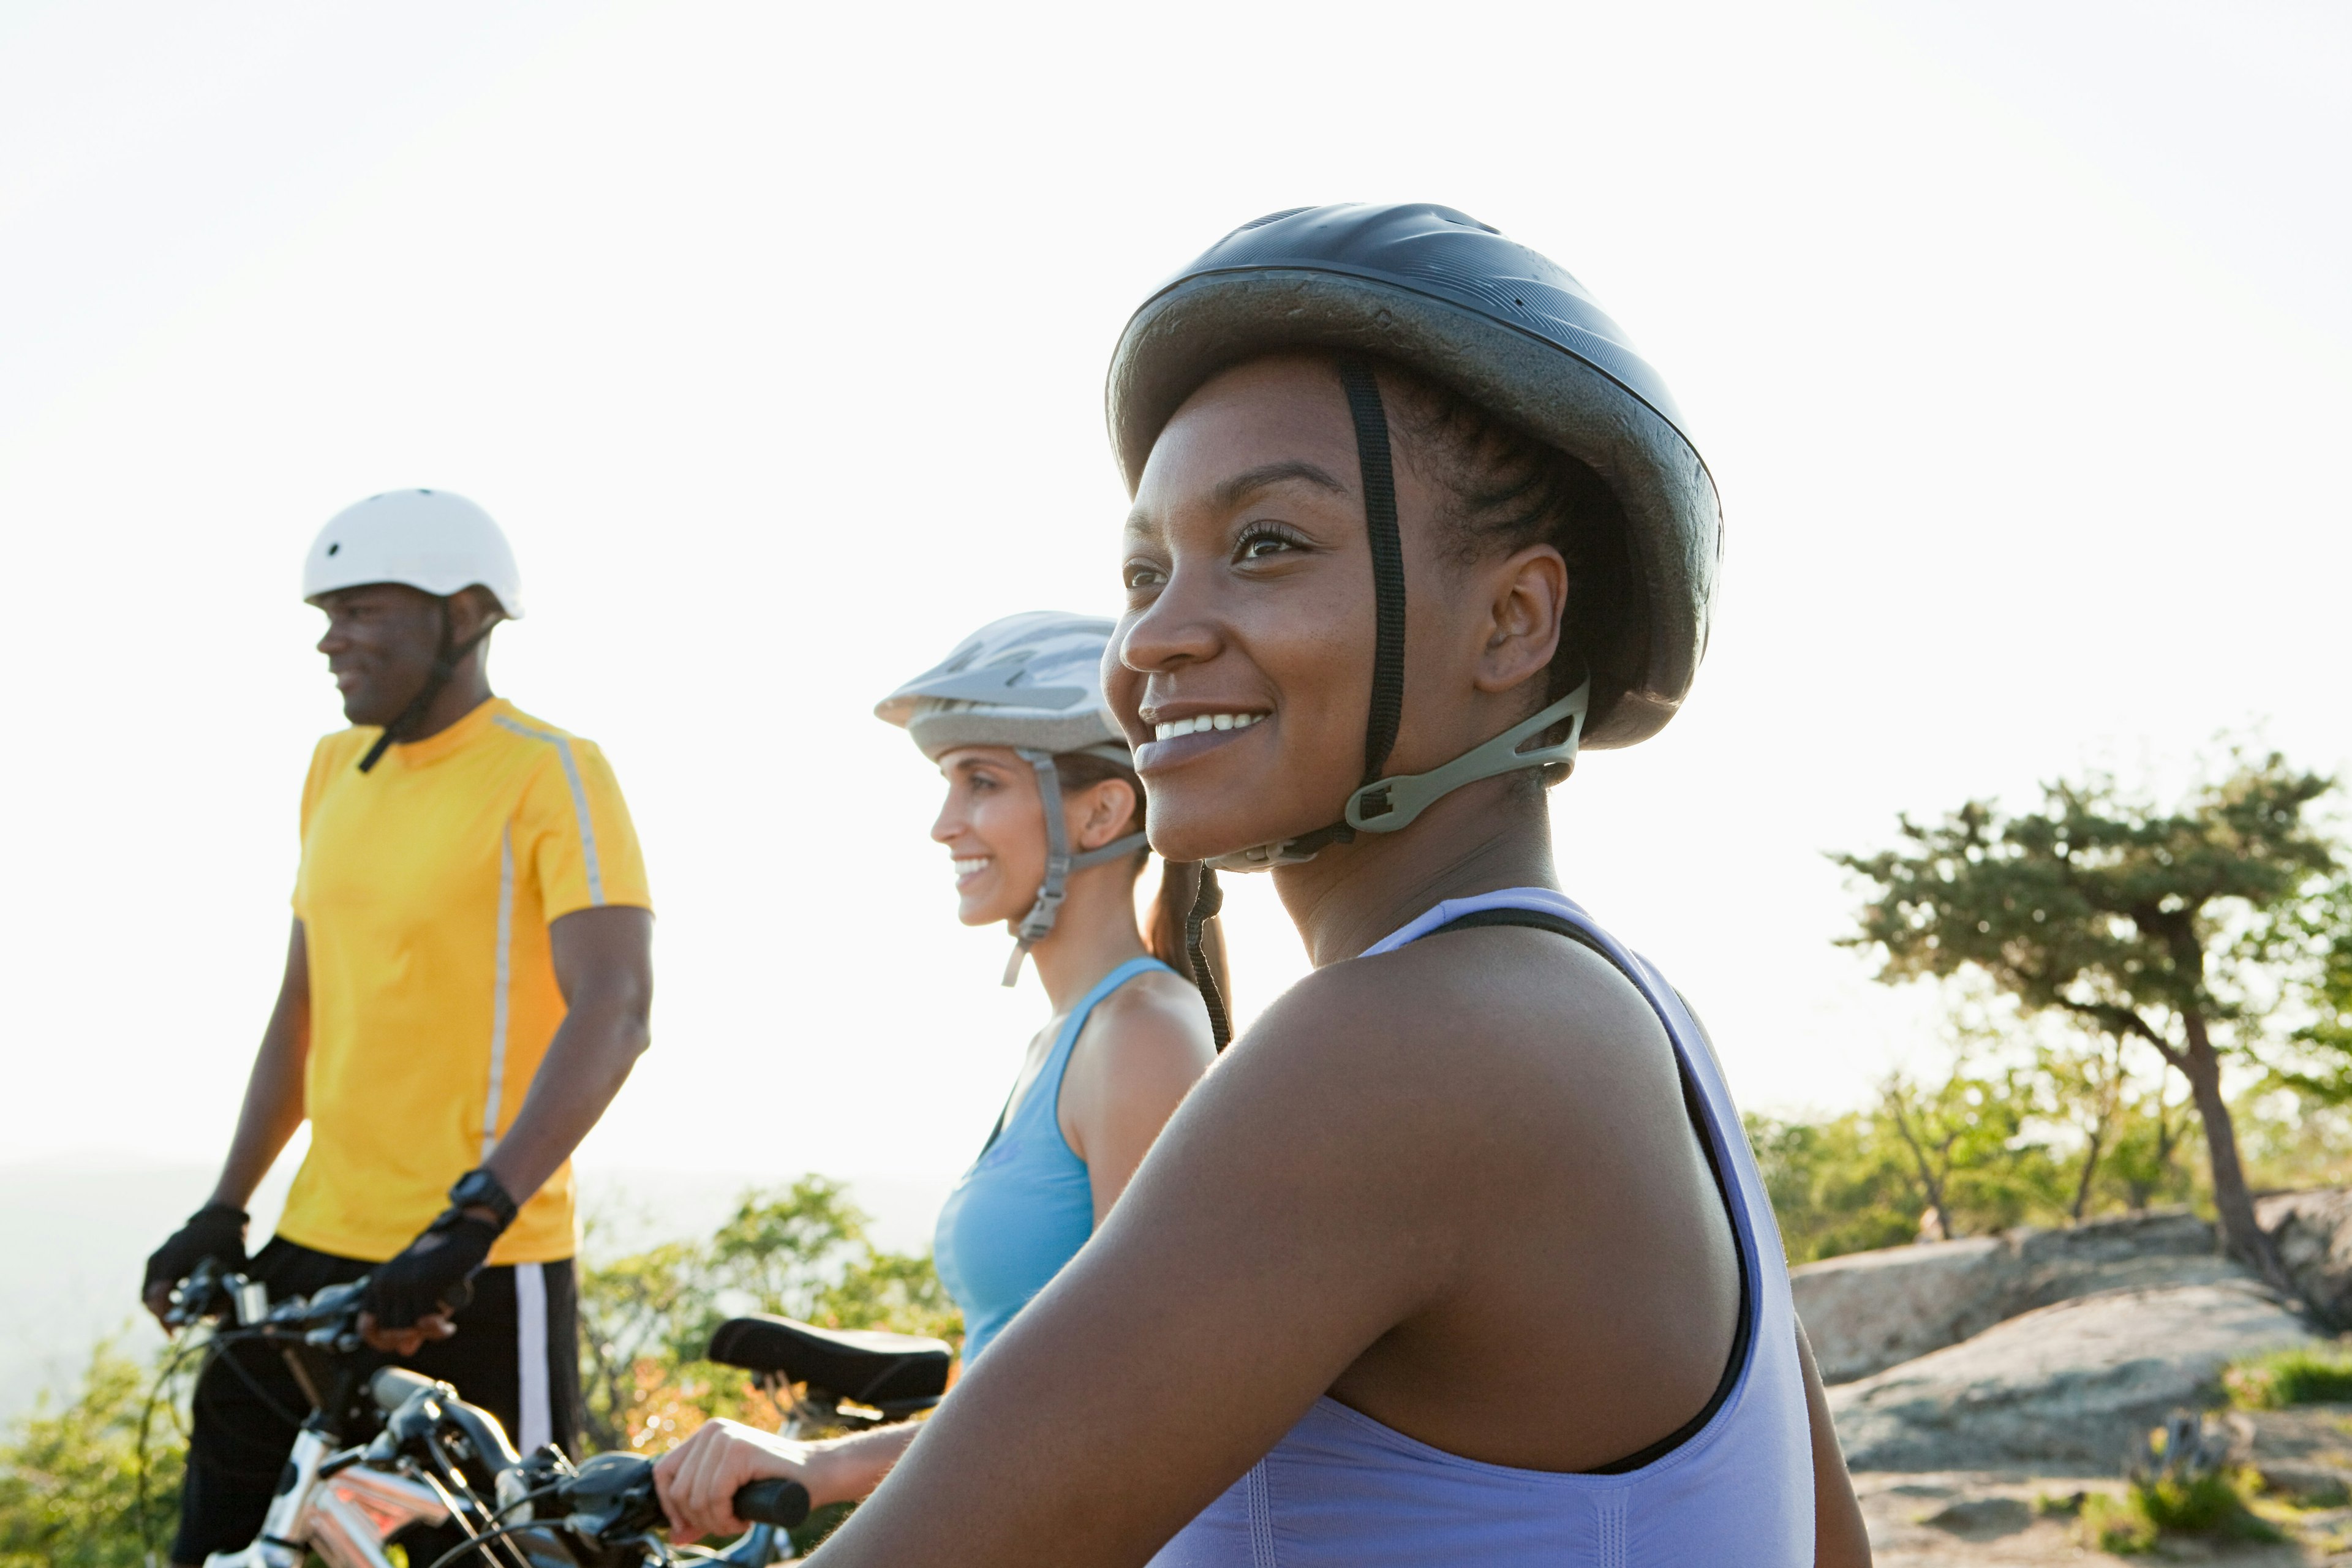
point(215, 1231)
point(431, 1275)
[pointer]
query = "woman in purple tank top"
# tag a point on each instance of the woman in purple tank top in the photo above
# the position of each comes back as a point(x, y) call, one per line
point(1459, 1255)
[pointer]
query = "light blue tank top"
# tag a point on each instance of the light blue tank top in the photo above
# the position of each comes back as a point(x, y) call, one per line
point(1027, 1206)
point(1341, 1490)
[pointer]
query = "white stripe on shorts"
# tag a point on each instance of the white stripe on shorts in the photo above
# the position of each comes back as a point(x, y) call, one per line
point(530, 1346)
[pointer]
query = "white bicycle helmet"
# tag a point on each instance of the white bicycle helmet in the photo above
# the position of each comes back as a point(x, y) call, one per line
point(1032, 682)
point(433, 541)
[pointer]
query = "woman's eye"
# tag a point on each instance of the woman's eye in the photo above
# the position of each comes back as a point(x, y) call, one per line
point(1260, 543)
point(1141, 575)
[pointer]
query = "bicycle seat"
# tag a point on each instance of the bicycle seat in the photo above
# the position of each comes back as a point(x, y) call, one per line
point(867, 1365)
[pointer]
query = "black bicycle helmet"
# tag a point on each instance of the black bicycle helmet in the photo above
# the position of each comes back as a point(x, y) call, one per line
point(1451, 298)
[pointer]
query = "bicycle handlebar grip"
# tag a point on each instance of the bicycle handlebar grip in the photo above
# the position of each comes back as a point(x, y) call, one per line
point(391, 1388)
point(775, 1501)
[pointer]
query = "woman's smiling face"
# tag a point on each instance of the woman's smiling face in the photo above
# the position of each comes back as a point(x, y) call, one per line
point(1242, 669)
point(994, 825)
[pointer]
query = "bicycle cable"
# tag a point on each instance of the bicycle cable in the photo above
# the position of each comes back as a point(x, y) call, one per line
point(220, 1345)
point(481, 1543)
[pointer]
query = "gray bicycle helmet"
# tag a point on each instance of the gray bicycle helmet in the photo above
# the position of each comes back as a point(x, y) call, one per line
point(1451, 298)
point(1032, 682)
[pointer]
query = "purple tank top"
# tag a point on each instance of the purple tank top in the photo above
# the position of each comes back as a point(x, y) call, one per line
point(1341, 1490)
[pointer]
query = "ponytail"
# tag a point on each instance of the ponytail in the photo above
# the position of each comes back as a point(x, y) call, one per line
point(1180, 886)
point(1187, 936)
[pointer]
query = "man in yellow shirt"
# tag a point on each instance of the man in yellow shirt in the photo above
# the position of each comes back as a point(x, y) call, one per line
point(468, 983)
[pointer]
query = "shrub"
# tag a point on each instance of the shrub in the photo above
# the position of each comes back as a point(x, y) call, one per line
point(70, 1484)
point(2305, 1375)
point(2182, 1484)
point(2209, 1505)
point(800, 1251)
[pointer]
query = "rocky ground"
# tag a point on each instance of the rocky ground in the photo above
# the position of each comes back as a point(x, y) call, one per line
point(1983, 1388)
point(1974, 1519)
point(1946, 1518)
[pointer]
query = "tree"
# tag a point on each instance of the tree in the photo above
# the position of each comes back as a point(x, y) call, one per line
point(2082, 1086)
point(2140, 924)
point(1837, 1186)
point(2143, 1159)
point(1962, 1138)
point(646, 1319)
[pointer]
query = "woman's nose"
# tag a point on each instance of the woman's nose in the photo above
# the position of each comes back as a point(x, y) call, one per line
point(1174, 629)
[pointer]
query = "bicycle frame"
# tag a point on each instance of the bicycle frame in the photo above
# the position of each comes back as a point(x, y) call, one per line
point(345, 1517)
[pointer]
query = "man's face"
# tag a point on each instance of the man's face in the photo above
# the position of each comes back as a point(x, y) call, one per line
point(380, 643)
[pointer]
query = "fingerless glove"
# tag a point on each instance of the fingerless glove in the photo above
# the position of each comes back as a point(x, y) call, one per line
point(215, 1231)
point(430, 1276)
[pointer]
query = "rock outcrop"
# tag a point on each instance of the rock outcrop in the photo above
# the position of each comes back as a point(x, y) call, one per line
point(1872, 1311)
point(2313, 1232)
point(2073, 1383)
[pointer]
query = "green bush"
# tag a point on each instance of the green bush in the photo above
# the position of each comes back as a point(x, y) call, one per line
point(800, 1251)
point(2209, 1505)
point(69, 1485)
point(2305, 1375)
point(2182, 1483)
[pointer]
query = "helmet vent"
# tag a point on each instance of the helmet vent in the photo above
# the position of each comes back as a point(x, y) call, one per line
point(335, 548)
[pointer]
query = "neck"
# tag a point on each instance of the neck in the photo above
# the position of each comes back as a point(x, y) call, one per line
point(468, 689)
point(1094, 934)
point(1482, 837)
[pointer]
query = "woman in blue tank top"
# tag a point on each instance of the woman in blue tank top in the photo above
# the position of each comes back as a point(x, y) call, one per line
point(1460, 1254)
point(1043, 824)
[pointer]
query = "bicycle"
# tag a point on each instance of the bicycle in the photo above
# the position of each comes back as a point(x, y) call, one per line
point(428, 1458)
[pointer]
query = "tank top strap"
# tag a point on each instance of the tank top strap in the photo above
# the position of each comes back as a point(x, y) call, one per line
point(1047, 1088)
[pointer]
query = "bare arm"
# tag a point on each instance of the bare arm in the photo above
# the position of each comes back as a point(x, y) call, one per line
point(1840, 1541)
point(604, 967)
point(1140, 1056)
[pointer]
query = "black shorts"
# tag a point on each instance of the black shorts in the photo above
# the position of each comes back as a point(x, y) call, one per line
point(516, 1354)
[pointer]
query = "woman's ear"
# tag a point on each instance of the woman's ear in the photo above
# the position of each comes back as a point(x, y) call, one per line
point(1104, 812)
point(1529, 593)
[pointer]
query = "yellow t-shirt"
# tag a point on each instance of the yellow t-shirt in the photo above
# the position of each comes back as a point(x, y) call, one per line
point(426, 892)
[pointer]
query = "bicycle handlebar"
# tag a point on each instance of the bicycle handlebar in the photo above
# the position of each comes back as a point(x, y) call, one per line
point(775, 1501)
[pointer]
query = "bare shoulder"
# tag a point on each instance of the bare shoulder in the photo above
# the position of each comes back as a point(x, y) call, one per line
point(1149, 1032)
point(1470, 1029)
point(1157, 1013)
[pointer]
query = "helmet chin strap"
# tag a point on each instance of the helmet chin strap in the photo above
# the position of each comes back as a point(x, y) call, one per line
point(1385, 804)
point(445, 658)
point(1395, 802)
point(1038, 923)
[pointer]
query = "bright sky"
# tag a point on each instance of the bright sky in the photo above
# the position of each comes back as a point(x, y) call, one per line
point(2016, 335)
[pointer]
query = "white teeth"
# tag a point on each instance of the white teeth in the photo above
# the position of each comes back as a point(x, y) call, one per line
point(966, 868)
point(1176, 727)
